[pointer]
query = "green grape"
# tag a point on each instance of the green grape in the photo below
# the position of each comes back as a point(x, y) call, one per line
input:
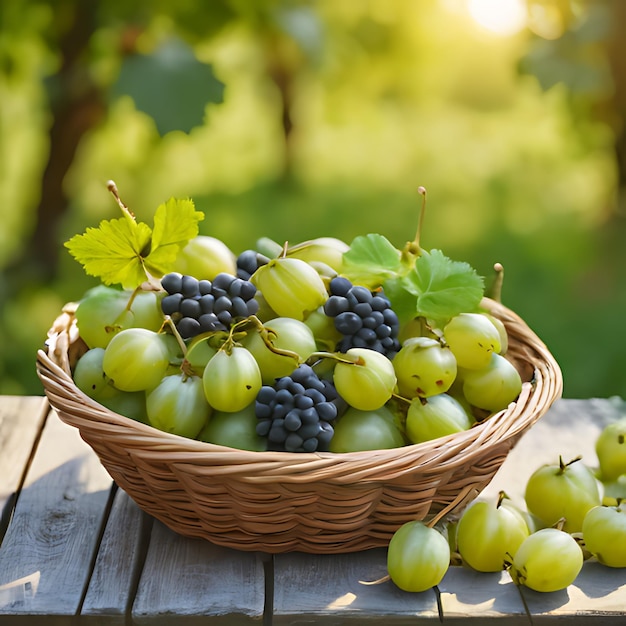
point(490, 532)
point(323, 328)
point(291, 287)
point(436, 416)
point(473, 338)
point(358, 430)
point(494, 387)
point(285, 333)
point(604, 534)
point(328, 250)
point(368, 383)
point(611, 450)
point(131, 404)
point(562, 490)
point(205, 257)
point(234, 430)
point(418, 557)
point(177, 405)
point(102, 313)
point(89, 375)
point(501, 328)
point(547, 560)
point(199, 353)
point(424, 368)
point(136, 359)
point(231, 379)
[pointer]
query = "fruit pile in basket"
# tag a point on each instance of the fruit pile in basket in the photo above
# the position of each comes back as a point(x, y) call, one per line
point(319, 346)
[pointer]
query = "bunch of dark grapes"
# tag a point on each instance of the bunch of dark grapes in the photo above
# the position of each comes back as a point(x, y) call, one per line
point(249, 262)
point(364, 318)
point(296, 414)
point(200, 306)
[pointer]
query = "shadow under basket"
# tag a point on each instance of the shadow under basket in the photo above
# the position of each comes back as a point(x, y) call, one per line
point(276, 502)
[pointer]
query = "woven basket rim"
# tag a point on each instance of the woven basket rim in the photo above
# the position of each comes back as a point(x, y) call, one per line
point(501, 425)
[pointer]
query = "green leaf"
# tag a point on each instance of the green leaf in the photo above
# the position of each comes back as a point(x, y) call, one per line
point(371, 260)
point(171, 85)
point(113, 251)
point(126, 252)
point(439, 288)
point(175, 224)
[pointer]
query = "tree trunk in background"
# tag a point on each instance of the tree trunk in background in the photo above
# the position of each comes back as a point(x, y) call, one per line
point(77, 106)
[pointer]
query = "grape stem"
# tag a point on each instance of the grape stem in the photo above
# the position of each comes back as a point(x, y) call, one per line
point(267, 334)
point(563, 466)
point(168, 321)
point(112, 187)
point(412, 248)
point(496, 287)
point(336, 356)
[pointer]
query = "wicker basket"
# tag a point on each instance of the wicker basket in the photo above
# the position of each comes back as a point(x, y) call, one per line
point(278, 501)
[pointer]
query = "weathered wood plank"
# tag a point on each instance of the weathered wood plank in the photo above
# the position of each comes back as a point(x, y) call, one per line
point(196, 580)
point(331, 589)
point(52, 536)
point(327, 589)
point(117, 567)
point(21, 421)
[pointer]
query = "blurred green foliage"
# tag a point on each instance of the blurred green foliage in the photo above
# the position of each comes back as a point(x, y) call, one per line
point(321, 118)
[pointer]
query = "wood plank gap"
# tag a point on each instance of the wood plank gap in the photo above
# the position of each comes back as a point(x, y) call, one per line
point(145, 536)
point(9, 508)
point(268, 604)
point(96, 548)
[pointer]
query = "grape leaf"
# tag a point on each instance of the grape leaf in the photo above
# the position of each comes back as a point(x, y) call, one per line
point(175, 223)
point(123, 251)
point(171, 85)
point(438, 288)
point(370, 260)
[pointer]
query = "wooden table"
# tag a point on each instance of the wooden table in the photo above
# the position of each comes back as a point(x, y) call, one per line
point(76, 550)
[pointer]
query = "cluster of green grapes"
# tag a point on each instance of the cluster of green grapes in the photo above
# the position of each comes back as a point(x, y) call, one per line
point(396, 383)
point(572, 513)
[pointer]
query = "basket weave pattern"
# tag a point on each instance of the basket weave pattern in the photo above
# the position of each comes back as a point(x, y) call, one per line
point(279, 501)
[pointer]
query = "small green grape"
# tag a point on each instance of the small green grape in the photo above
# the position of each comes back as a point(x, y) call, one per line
point(231, 379)
point(368, 383)
point(547, 560)
point(473, 338)
point(418, 557)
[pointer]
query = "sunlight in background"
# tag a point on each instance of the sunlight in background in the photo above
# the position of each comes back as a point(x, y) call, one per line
point(502, 17)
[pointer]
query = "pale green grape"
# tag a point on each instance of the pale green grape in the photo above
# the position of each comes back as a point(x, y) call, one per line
point(231, 379)
point(424, 368)
point(291, 287)
point(489, 533)
point(604, 534)
point(199, 353)
point(369, 383)
point(418, 557)
point(234, 430)
point(494, 387)
point(102, 313)
point(205, 257)
point(473, 338)
point(559, 490)
point(131, 404)
point(435, 416)
point(611, 450)
point(89, 375)
point(136, 359)
point(323, 328)
point(286, 334)
point(328, 250)
point(547, 560)
point(177, 405)
point(358, 430)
